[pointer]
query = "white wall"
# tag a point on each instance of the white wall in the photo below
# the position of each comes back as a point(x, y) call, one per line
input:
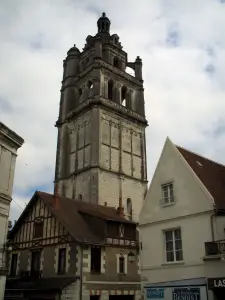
point(190, 195)
point(191, 212)
point(9, 143)
point(194, 230)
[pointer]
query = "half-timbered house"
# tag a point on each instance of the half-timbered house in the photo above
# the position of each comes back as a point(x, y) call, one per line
point(67, 249)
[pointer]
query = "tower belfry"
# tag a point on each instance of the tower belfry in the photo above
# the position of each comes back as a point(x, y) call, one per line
point(101, 150)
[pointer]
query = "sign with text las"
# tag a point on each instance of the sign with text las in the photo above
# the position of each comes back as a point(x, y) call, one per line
point(155, 293)
point(186, 294)
point(216, 283)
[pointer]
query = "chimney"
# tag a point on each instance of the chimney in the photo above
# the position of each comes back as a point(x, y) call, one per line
point(120, 209)
point(56, 189)
point(56, 197)
point(105, 203)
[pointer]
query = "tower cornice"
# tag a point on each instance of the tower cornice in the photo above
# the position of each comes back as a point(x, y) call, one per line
point(107, 104)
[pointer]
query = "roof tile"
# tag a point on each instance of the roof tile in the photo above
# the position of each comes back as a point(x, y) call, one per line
point(211, 174)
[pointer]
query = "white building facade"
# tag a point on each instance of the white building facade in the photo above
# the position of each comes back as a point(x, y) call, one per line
point(182, 226)
point(9, 144)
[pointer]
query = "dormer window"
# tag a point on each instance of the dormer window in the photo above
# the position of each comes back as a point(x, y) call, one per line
point(121, 230)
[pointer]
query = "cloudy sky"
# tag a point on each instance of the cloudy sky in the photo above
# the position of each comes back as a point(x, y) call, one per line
point(181, 42)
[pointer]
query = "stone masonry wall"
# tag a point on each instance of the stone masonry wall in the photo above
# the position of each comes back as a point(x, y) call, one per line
point(122, 151)
point(80, 142)
point(109, 191)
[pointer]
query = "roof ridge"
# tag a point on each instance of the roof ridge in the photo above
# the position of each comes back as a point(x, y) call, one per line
point(78, 201)
point(206, 158)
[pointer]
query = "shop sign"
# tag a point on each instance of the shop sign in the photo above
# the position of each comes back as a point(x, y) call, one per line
point(186, 293)
point(217, 282)
point(155, 293)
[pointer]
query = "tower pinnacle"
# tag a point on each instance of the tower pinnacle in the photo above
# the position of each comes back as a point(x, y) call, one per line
point(103, 24)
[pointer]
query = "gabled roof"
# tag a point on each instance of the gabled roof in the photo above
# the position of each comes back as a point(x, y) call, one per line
point(71, 214)
point(211, 174)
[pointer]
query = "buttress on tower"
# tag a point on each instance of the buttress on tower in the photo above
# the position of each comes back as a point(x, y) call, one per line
point(101, 149)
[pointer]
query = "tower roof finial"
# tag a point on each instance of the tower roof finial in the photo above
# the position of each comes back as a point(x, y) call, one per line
point(103, 24)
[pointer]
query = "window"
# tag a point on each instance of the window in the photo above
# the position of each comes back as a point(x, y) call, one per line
point(121, 265)
point(96, 260)
point(112, 229)
point(90, 85)
point(121, 230)
point(38, 229)
point(115, 62)
point(62, 261)
point(173, 245)
point(129, 209)
point(123, 95)
point(168, 196)
point(110, 89)
point(130, 231)
point(94, 297)
point(35, 261)
point(13, 268)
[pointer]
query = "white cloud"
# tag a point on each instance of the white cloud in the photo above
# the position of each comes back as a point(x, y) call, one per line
point(182, 101)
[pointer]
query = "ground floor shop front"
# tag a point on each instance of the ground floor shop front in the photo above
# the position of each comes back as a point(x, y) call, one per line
point(216, 286)
point(70, 288)
point(190, 289)
point(111, 291)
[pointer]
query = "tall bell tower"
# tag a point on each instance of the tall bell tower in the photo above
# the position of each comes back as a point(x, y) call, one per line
point(101, 150)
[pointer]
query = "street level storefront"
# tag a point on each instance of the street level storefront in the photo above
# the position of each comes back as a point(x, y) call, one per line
point(111, 291)
point(190, 289)
point(39, 289)
point(217, 286)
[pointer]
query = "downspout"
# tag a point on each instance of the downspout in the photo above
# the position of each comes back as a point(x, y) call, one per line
point(212, 225)
point(81, 272)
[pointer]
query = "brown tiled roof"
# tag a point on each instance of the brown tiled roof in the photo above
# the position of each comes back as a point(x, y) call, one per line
point(211, 174)
point(71, 213)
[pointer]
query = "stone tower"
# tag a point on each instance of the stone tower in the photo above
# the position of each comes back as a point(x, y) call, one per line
point(101, 150)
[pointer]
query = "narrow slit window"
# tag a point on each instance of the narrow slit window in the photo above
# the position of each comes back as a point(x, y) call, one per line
point(124, 96)
point(110, 89)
